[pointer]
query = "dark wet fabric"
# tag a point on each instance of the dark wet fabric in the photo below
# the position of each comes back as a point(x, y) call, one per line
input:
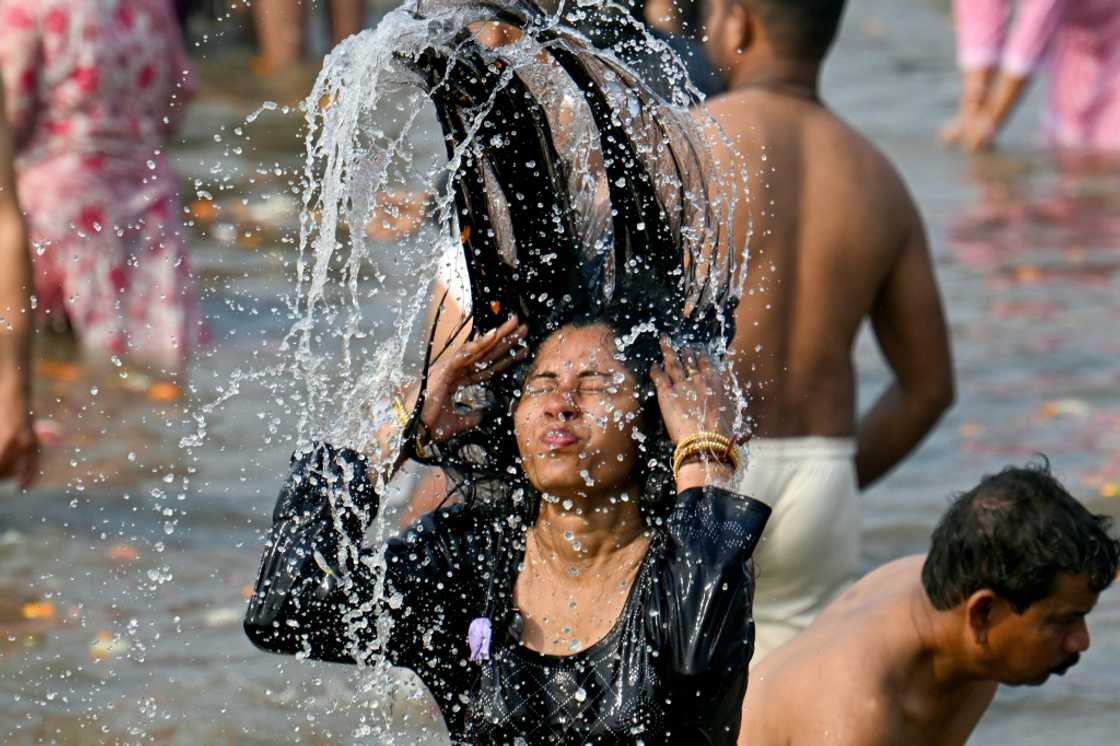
point(672, 670)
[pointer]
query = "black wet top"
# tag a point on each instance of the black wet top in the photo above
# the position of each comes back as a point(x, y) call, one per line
point(672, 670)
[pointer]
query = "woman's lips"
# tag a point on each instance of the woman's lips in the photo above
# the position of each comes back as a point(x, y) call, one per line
point(557, 438)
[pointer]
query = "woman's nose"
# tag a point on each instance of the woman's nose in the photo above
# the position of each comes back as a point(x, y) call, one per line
point(562, 405)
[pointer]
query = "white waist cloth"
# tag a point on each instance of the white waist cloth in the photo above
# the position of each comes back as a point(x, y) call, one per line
point(809, 551)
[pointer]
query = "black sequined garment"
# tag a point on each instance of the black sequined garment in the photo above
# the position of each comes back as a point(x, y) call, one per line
point(672, 670)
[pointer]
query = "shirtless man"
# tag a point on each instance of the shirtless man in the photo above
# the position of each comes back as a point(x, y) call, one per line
point(835, 239)
point(913, 653)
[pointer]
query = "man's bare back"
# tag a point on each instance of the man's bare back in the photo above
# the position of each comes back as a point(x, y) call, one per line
point(834, 238)
point(856, 665)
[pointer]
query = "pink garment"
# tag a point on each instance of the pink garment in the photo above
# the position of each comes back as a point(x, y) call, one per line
point(1078, 42)
point(93, 88)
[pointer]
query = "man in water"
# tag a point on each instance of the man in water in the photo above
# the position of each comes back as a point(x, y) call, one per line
point(19, 450)
point(914, 652)
point(834, 238)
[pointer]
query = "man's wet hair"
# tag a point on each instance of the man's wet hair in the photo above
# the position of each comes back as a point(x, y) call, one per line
point(800, 28)
point(1013, 534)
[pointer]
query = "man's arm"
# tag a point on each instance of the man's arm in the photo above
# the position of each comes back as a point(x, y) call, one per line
point(909, 325)
point(19, 450)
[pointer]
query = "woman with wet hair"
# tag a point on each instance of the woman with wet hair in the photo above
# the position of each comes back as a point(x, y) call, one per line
point(595, 584)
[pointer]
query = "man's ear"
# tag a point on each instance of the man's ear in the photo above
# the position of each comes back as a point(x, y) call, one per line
point(741, 26)
point(982, 610)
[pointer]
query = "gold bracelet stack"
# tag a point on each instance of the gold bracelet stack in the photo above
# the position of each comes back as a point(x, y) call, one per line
point(402, 414)
point(706, 444)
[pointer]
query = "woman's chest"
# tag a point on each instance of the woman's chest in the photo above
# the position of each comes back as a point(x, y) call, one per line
point(567, 608)
point(562, 618)
point(613, 693)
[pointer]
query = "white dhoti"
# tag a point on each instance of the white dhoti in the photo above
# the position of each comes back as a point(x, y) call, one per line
point(810, 548)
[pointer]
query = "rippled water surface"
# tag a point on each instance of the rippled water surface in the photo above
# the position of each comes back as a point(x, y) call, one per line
point(123, 575)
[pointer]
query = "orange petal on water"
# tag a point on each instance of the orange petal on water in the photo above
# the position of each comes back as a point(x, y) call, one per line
point(971, 430)
point(203, 209)
point(246, 591)
point(1028, 274)
point(49, 432)
point(164, 391)
point(105, 645)
point(122, 553)
point(1110, 489)
point(65, 372)
point(39, 610)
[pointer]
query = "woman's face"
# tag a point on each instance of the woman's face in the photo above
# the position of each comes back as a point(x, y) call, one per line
point(577, 414)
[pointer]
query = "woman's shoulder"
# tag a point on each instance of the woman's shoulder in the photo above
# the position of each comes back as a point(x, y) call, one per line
point(699, 608)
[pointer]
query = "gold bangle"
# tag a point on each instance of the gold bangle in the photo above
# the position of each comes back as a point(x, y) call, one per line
point(733, 465)
point(688, 459)
point(716, 453)
point(402, 414)
point(694, 449)
point(704, 435)
point(693, 446)
point(721, 440)
point(700, 446)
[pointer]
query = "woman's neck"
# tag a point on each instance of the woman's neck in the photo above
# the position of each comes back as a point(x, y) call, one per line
point(584, 532)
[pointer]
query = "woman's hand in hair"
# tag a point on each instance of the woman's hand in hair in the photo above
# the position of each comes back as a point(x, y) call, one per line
point(694, 394)
point(472, 363)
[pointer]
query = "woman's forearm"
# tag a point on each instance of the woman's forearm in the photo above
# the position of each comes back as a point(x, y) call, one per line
point(1004, 95)
point(15, 306)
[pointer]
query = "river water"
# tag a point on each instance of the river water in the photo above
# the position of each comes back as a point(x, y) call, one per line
point(123, 574)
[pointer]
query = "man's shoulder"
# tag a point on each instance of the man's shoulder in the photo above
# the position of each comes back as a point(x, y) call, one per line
point(839, 155)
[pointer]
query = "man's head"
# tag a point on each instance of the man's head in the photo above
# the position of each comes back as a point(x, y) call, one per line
point(790, 31)
point(1023, 563)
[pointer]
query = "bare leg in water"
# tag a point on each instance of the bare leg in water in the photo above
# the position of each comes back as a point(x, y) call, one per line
point(279, 26)
point(280, 29)
point(346, 17)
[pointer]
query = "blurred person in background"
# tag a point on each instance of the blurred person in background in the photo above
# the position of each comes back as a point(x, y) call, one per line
point(280, 26)
point(834, 239)
point(94, 89)
point(1076, 42)
point(19, 448)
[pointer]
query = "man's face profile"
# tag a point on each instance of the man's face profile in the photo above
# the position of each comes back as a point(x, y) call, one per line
point(1047, 638)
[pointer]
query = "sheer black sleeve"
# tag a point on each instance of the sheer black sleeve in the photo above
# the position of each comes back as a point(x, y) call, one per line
point(312, 585)
point(703, 608)
point(317, 592)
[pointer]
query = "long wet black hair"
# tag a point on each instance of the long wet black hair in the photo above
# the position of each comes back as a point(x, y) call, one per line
point(644, 262)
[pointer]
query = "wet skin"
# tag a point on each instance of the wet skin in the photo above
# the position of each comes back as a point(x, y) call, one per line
point(579, 429)
point(578, 411)
point(1047, 638)
point(880, 666)
point(834, 239)
point(574, 425)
